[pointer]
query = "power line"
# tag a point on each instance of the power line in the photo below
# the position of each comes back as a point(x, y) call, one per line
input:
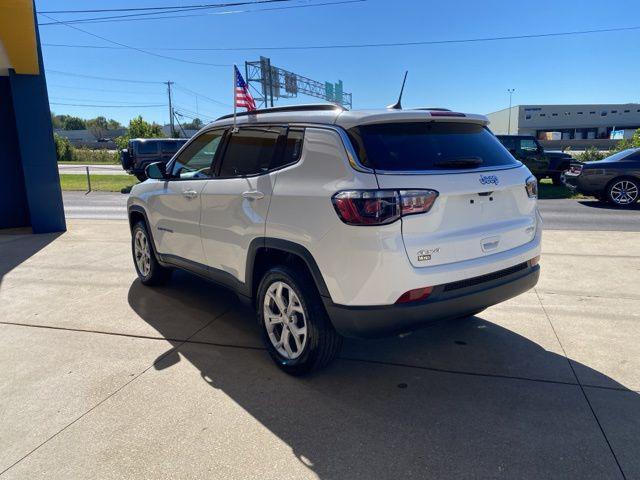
point(126, 92)
point(138, 9)
point(181, 114)
point(168, 16)
point(196, 94)
point(175, 9)
point(166, 57)
point(198, 114)
point(106, 106)
point(106, 102)
point(381, 45)
point(111, 79)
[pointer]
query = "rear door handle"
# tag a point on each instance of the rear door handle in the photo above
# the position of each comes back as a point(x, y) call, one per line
point(253, 195)
point(190, 194)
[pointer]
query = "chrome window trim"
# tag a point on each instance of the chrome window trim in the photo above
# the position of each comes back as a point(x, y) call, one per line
point(448, 172)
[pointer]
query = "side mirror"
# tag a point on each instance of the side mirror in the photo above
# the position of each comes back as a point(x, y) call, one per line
point(156, 171)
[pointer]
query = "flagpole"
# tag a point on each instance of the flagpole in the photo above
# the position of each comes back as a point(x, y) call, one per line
point(235, 129)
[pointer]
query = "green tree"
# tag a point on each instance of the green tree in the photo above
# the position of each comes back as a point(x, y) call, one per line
point(73, 123)
point(98, 127)
point(139, 128)
point(113, 124)
point(64, 149)
point(56, 121)
point(196, 124)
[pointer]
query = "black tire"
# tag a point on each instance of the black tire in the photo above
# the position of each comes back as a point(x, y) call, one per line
point(156, 273)
point(322, 344)
point(141, 176)
point(634, 190)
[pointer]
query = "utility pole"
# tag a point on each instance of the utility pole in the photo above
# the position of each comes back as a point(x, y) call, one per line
point(510, 90)
point(173, 130)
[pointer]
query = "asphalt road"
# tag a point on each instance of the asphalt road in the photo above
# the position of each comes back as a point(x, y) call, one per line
point(556, 214)
point(97, 205)
point(588, 215)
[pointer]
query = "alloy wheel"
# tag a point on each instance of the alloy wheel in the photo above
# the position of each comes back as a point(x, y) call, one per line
point(142, 253)
point(624, 192)
point(285, 320)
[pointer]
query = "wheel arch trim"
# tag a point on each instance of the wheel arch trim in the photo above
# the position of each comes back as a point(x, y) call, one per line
point(288, 247)
point(138, 209)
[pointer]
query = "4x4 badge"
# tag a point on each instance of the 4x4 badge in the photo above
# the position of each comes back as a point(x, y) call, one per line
point(424, 255)
point(489, 179)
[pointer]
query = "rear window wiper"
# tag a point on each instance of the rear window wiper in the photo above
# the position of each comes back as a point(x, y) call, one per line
point(467, 162)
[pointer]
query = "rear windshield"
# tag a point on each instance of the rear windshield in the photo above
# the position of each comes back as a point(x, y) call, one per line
point(428, 146)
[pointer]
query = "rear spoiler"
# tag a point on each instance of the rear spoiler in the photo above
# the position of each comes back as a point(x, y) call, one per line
point(393, 116)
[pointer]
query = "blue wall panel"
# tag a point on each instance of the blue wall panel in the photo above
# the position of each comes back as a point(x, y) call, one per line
point(37, 152)
point(13, 200)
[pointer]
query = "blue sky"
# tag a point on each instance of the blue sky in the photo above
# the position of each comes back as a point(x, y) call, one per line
point(472, 77)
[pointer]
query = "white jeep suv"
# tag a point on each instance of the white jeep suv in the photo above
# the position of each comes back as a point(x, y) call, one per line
point(342, 223)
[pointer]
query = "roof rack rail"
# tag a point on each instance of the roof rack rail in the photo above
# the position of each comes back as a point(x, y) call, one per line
point(288, 108)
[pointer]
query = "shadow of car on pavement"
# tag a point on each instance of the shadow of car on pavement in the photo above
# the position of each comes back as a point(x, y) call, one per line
point(608, 206)
point(464, 398)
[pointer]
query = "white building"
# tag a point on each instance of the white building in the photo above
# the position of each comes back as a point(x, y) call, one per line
point(575, 125)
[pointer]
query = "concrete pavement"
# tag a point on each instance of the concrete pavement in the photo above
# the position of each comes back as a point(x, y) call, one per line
point(105, 378)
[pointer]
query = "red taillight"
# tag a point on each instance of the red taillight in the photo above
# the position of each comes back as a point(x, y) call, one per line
point(438, 113)
point(415, 295)
point(380, 207)
point(367, 207)
point(534, 261)
point(417, 201)
point(575, 169)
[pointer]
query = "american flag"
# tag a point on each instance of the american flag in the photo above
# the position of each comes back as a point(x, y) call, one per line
point(243, 98)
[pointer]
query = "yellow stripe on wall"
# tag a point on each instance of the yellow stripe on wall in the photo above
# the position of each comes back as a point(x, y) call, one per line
point(18, 35)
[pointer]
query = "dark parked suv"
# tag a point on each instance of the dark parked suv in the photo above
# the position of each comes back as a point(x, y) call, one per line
point(143, 151)
point(541, 163)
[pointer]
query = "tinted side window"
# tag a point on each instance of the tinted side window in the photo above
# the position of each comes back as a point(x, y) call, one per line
point(196, 161)
point(508, 142)
point(147, 148)
point(417, 146)
point(528, 145)
point(292, 149)
point(170, 147)
point(250, 151)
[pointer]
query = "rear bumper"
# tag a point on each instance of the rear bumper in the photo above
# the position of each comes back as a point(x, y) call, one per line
point(448, 301)
point(578, 184)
